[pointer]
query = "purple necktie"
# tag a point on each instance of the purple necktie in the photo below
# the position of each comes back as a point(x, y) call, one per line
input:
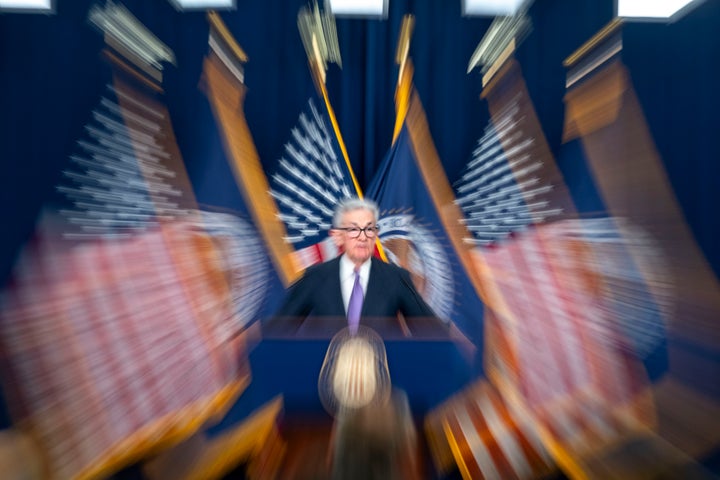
point(355, 304)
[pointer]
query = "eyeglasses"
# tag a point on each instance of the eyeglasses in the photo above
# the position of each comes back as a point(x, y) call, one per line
point(354, 232)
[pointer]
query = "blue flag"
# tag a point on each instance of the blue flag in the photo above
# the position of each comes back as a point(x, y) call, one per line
point(419, 222)
point(312, 177)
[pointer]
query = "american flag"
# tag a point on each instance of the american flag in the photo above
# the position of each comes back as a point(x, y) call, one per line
point(553, 349)
point(122, 329)
point(501, 190)
point(312, 177)
point(116, 347)
point(558, 290)
point(476, 430)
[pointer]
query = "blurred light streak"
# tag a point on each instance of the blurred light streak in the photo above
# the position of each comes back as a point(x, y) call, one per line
point(28, 6)
point(359, 8)
point(493, 8)
point(203, 4)
point(654, 9)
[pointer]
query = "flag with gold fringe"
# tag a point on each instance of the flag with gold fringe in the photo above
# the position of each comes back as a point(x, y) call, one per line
point(420, 226)
point(122, 329)
point(552, 348)
point(558, 289)
point(223, 83)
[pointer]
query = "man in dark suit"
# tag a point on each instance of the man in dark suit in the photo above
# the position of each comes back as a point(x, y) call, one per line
point(324, 295)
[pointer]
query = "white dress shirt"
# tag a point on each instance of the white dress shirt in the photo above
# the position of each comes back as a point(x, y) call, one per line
point(347, 278)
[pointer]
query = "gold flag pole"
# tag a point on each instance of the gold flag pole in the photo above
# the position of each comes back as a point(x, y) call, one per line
point(319, 36)
point(404, 86)
point(223, 82)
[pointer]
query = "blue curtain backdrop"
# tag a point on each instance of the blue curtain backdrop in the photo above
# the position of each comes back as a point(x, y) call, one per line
point(51, 78)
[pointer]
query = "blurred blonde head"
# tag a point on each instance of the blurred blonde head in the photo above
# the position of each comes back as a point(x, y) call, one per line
point(354, 381)
point(355, 373)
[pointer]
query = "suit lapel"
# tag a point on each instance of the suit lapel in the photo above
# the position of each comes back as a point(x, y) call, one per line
point(373, 295)
point(335, 290)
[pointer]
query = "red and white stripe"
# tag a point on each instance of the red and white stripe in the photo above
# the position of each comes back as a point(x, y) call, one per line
point(317, 253)
point(550, 345)
point(487, 440)
point(104, 339)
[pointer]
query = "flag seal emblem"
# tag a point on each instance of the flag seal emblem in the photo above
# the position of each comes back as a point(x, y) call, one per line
point(411, 245)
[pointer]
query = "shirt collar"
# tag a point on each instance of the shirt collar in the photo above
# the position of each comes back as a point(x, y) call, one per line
point(347, 267)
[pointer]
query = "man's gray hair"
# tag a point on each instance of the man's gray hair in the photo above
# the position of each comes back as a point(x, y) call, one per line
point(354, 203)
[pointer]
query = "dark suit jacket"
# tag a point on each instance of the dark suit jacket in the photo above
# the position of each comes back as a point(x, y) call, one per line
point(318, 294)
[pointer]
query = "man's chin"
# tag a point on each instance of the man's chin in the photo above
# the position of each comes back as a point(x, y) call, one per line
point(361, 256)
